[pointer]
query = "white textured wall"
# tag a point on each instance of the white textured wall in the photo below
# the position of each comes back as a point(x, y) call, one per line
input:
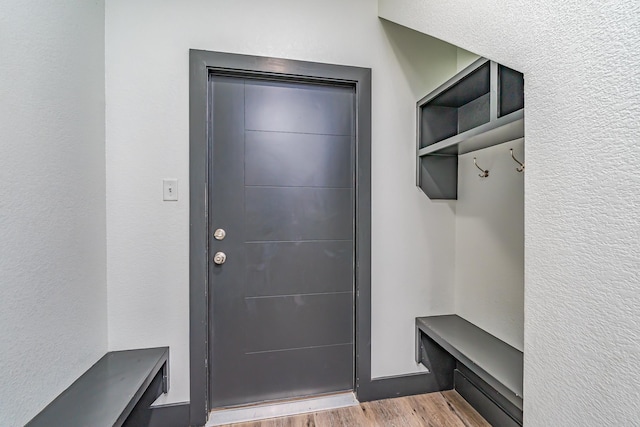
point(582, 191)
point(464, 58)
point(52, 200)
point(489, 288)
point(147, 44)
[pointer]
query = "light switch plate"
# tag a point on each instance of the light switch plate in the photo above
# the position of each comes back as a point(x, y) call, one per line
point(170, 190)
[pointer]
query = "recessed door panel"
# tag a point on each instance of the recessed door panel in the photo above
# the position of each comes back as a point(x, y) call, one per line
point(298, 213)
point(298, 159)
point(291, 373)
point(298, 321)
point(300, 108)
point(269, 272)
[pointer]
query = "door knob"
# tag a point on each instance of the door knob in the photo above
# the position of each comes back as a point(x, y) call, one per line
point(219, 258)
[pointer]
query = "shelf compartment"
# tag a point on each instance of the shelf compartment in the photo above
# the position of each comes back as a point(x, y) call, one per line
point(439, 176)
point(511, 91)
point(504, 129)
point(455, 110)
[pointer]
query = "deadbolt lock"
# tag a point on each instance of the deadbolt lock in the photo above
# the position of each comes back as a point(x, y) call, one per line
point(219, 234)
point(219, 258)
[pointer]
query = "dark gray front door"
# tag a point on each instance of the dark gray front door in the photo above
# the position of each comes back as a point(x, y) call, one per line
point(282, 187)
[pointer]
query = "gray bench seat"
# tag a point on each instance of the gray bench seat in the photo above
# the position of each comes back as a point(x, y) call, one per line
point(483, 361)
point(116, 391)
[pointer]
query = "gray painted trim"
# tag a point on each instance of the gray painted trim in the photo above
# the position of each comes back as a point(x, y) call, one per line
point(198, 256)
point(174, 415)
point(201, 63)
point(493, 82)
point(398, 386)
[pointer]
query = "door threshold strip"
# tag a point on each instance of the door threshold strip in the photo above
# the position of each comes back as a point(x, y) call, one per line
point(286, 408)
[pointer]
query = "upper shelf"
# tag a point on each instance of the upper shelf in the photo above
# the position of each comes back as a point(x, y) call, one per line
point(479, 107)
point(503, 129)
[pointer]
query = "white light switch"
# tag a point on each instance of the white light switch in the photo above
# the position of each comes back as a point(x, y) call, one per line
point(170, 189)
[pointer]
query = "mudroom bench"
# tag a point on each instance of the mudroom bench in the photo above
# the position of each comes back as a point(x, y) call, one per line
point(118, 390)
point(484, 370)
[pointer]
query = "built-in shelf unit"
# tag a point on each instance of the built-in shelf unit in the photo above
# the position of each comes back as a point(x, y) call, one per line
point(481, 106)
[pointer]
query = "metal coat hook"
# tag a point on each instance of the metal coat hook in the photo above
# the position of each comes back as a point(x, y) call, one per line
point(485, 173)
point(519, 168)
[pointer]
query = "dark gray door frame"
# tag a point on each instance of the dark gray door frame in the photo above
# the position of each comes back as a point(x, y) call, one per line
point(202, 63)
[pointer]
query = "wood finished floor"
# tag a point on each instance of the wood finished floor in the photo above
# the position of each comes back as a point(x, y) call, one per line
point(446, 409)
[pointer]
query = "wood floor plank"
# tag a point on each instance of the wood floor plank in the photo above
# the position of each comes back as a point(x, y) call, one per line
point(434, 410)
point(350, 416)
point(393, 412)
point(305, 420)
point(382, 412)
point(417, 411)
point(446, 409)
point(469, 416)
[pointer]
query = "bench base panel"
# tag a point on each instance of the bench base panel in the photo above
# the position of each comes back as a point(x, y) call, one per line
point(497, 410)
point(448, 373)
point(141, 414)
